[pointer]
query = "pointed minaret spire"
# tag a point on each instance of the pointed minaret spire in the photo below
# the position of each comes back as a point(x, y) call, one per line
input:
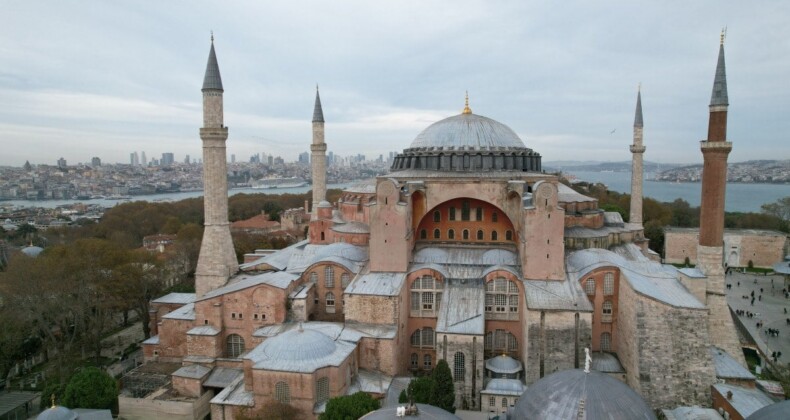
point(318, 112)
point(637, 171)
point(212, 79)
point(719, 95)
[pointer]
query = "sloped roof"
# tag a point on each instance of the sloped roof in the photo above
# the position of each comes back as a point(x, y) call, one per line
point(176, 298)
point(462, 309)
point(727, 367)
point(186, 312)
point(278, 279)
point(502, 386)
point(377, 284)
point(260, 221)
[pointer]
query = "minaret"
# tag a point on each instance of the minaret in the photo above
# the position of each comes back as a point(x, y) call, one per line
point(318, 158)
point(710, 260)
point(637, 172)
point(217, 261)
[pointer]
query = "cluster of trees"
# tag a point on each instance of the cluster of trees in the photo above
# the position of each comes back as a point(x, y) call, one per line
point(436, 389)
point(88, 388)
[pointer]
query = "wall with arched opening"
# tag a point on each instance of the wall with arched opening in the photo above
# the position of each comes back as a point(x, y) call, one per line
point(466, 220)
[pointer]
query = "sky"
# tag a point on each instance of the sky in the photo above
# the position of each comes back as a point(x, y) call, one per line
point(100, 78)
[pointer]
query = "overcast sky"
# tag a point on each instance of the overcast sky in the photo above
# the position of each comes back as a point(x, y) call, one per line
point(106, 78)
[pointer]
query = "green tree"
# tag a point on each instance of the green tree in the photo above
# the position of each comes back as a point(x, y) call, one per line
point(654, 231)
point(780, 209)
point(419, 390)
point(443, 390)
point(271, 410)
point(350, 407)
point(91, 388)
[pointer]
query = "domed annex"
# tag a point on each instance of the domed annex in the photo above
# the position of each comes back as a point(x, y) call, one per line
point(574, 394)
point(57, 412)
point(468, 142)
point(32, 251)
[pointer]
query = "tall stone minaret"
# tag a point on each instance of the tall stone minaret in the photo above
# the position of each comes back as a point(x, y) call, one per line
point(217, 260)
point(637, 172)
point(710, 259)
point(318, 157)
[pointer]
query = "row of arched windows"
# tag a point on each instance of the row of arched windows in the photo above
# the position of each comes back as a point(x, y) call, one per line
point(437, 234)
point(426, 295)
point(427, 361)
point(608, 285)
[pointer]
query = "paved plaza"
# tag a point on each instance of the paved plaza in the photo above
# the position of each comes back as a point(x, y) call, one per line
point(771, 310)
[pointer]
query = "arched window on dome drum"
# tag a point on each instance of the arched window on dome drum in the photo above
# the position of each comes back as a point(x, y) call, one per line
point(282, 392)
point(234, 346)
point(499, 342)
point(606, 342)
point(437, 216)
point(465, 211)
point(437, 234)
point(322, 390)
point(423, 234)
point(345, 279)
point(606, 311)
point(494, 217)
point(451, 234)
point(313, 277)
point(427, 362)
point(466, 234)
point(494, 236)
point(608, 284)
point(452, 213)
point(329, 277)
point(479, 235)
point(509, 235)
point(589, 286)
point(459, 367)
point(415, 361)
point(425, 296)
point(479, 214)
point(502, 298)
point(423, 338)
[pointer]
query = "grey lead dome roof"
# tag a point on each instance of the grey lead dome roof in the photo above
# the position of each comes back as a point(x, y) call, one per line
point(299, 345)
point(469, 131)
point(558, 396)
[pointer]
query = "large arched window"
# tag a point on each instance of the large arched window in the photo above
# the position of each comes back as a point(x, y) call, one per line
point(606, 341)
point(500, 342)
point(608, 284)
point(423, 338)
point(426, 295)
point(322, 390)
point(459, 367)
point(282, 392)
point(501, 296)
point(589, 286)
point(452, 213)
point(329, 277)
point(234, 346)
point(606, 311)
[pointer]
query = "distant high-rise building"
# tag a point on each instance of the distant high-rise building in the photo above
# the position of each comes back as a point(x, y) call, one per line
point(330, 158)
point(95, 161)
point(233, 158)
point(304, 158)
point(61, 163)
point(134, 159)
point(186, 160)
point(270, 160)
point(143, 160)
point(167, 159)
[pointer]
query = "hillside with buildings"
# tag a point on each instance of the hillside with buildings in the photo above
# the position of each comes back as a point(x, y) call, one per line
point(752, 171)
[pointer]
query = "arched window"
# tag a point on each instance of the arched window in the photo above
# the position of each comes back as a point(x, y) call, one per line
point(423, 234)
point(437, 216)
point(450, 234)
point(501, 296)
point(608, 284)
point(313, 277)
point(452, 213)
point(427, 361)
point(466, 234)
point(322, 390)
point(345, 279)
point(329, 277)
point(494, 236)
point(415, 361)
point(479, 214)
point(234, 346)
point(330, 300)
point(282, 392)
point(492, 402)
point(459, 367)
point(494, 217)
point(423, 338)
point(504, 402)
point(479, 235)
point(509, 235)
point(606, 311)
point(606, 342)
point(436, 234)
point(465, 210)
point(500, 342)
point(426, 295)
point(322, 236)
point(589, 286)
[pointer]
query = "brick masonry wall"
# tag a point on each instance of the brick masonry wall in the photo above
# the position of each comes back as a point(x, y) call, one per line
point(467, 388)
point(555, 341)
point(764, 250)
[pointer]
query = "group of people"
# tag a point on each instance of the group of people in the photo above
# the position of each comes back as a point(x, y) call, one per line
point(747, 314)
point(771, 332)
point(776, 355)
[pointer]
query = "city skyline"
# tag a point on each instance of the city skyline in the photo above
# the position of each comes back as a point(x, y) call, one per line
point(112, 79)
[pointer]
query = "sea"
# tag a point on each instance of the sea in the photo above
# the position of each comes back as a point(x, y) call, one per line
point(740, 197)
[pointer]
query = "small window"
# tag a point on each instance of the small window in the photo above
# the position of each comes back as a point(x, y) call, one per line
point(452, 213)
point(479, 235)
point(423, 234)
point(313, 277)
point(330, 299)
point(437, 216)
point(436, 234)
point(466, 234)
point(345, 279)
point(504, 402)
point(241, 315)
point(606, 342)
point(494, 217)
point(427, 361)
point(282, 392)
point(255, 316)
point(459, 367)
point(465, 210)
point(233, 315)
point(415, 361)
point(491, 401)
point(494, 236)
point(509, 235)
point(479, 214)
point(451, 234)
point(608, 284)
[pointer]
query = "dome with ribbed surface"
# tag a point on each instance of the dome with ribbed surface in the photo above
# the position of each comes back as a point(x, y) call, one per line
point(468, 131)
point(503, 364)
point(299, 345)
point(574, 394)
point(57, 413)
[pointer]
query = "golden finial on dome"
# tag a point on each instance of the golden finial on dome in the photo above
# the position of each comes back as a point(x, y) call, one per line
point(467, 110)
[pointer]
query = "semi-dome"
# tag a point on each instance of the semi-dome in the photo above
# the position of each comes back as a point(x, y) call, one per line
point(468, 132)
point(576, 394)
point(57, 412)
point(299, 345)
point(770, 412)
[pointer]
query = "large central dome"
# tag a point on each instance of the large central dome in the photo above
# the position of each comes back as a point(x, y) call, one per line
point(468, 131)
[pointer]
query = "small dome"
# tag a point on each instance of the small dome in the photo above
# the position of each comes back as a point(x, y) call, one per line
point(425, 411)
point(32, 251)
point(324, 204)
point(57, 412)
point(299, 345)
point(604, 398)
point(773, 411)
point(469, 131)
point(503, 364)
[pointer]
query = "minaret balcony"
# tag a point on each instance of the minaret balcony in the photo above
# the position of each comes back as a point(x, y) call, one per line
point(713, 146)
point(638, 149)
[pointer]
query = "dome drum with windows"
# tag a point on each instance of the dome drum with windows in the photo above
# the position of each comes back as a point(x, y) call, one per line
point(468, 142)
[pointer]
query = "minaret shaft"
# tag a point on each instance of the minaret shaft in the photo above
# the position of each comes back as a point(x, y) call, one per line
point(318, 155)
point(637, 170)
